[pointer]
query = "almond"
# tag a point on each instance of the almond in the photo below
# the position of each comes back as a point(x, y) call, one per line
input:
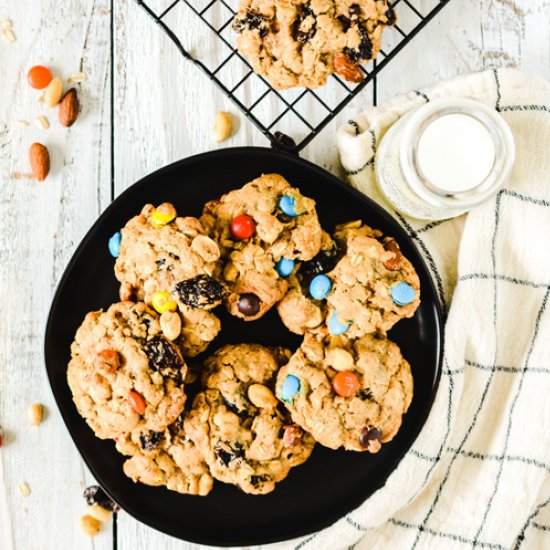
point(68, 108)
point(345, 67)
point(39, 157)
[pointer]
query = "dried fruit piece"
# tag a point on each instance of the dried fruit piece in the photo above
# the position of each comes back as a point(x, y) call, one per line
point(292, 436)
point(89, 525)
point(136, 402)
point(94, 494)
point(69, 108)
point(252, 21)
point(223, 126)
point(347, 69)
point(202, 291)
point(39, 158)
point(164, 357)
point(99, 513)
point(393, 263)
point(39, 77)
point(53, 93)
point(150, 440)
point(35, 412)
point(227, 454)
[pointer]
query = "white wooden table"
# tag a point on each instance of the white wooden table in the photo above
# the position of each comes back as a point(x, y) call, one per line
point(143, 107)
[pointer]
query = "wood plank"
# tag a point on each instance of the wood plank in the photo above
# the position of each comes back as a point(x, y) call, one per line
point(41, 224)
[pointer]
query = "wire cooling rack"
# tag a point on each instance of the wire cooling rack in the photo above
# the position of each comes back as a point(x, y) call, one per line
point(201, 30)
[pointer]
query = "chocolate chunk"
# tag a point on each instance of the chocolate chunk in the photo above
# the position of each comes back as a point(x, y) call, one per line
point(201, 291)
point(256, 480)
point(94, 494)
point(369, 434)
point(249, 304)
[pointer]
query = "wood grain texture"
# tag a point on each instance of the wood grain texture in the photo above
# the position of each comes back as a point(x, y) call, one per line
point(163, 111)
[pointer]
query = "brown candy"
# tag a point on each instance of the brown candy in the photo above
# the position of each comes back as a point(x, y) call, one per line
point(370, 439)
point(292, 436)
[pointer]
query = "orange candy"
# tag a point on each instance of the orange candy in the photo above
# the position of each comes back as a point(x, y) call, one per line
point(345, 384)
point(136, 402)
point(39, 77)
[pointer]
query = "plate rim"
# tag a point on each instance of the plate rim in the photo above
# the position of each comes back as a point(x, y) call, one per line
point(439, 318)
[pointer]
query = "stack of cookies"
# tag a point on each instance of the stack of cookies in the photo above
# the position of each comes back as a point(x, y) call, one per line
point(257, 411)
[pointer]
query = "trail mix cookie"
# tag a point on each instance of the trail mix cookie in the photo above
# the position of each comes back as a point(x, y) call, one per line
point(124, 373)
point(262, 229)
point(165, 458)
point(347, 393)
point(301, 43)
point(244, 433)
point(171, 263)
point(373, 284)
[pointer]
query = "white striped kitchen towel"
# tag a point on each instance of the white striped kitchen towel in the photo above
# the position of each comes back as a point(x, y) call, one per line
point(478, 476)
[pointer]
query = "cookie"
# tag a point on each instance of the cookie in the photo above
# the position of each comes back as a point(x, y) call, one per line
point(244, 433)
point(347, 393)
point(257, 227)
point(124, 373)
point(301, 43)
point(167, 458)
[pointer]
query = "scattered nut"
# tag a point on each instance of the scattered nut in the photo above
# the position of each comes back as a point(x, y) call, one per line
point(261, 396)
point(20, 124)
point(6, 24)
point(206, 248)
point(223, 126)
point(339, 359)
point(53, 93)
point(35, 414)
point(42, 122)
point(348, 70)
point(292, 436)
point(40, 96)
point(89, 525)
point(77, 78)
point(357, 259)
point(39, 158)
point(99, 513)
point(24, 489)
point(69, 108)
point(170, 323)
point(8, 36)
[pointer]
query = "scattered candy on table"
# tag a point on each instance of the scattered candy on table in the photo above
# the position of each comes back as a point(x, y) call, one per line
point(320, 286)
point(335, 326)
point(285, 267)
point(402, 293)
point(288, 205)
point(249, 304)
point(243, 227)
point(39, 77)
point(345, 384)
point(162, 301)
point(290, 387)
point(114, 244)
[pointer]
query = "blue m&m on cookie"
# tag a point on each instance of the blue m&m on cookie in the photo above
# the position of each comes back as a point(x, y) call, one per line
point(288, 205)
point(402, 294)
point(319, 287)
point(335, 326)
point(114, 244)
point(290, 388)
point(284, 267)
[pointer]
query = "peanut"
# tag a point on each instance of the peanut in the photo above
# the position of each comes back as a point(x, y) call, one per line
point(89, 525)
point(35, 414)
point(99, 513)
point(206, 248)
point(261, 396)
point(170, 323)
point(223, 126)
point(339, 359)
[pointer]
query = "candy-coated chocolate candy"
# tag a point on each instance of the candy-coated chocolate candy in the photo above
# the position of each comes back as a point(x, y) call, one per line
point(320, 286)
point(402, 293)
point(39, 77)
point(345, 384)
point(369, 434)
point(335, 326)
point(162, 301)
point(136, 402)
point(284, 267)
point(114, 244)
point(243, 227)
point(249, 304)
point(288, 205)
point(163, 214)
point(290, 387)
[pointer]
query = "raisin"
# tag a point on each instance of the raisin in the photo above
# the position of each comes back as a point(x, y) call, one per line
point(364, 51)
point(345, 21)
point(284, 141)
point(160, 263)
point(164, 357)
point(390, 16)
point(256, 480)
point(252, 21)
point(364, 394)
point(323, 262)
point(202, 291)
point(96, 495)
point(305, 26)
point(227, 456)
point(173, 256)
point(150, 440)
point(177, 426)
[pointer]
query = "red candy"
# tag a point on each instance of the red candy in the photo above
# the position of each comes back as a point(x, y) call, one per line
point(243, 227)
point(39, 77)
point(345, 384)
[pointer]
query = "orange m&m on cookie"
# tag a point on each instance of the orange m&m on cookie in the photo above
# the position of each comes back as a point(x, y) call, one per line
point(345, 384)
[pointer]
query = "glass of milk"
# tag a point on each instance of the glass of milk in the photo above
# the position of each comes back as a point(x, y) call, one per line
point(443, 158)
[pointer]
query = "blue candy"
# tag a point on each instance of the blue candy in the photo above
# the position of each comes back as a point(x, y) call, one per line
point(284, 267)
point(402, 293)
point(114, 244)
point(335, 326)
point(288, 205)
point(290, 387)
point(320, 286)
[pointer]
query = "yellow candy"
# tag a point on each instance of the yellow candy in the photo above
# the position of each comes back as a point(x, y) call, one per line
point(162, 301)
point(163, 214)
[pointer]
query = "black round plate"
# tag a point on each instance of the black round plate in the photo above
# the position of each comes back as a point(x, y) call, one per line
point(330, 483)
